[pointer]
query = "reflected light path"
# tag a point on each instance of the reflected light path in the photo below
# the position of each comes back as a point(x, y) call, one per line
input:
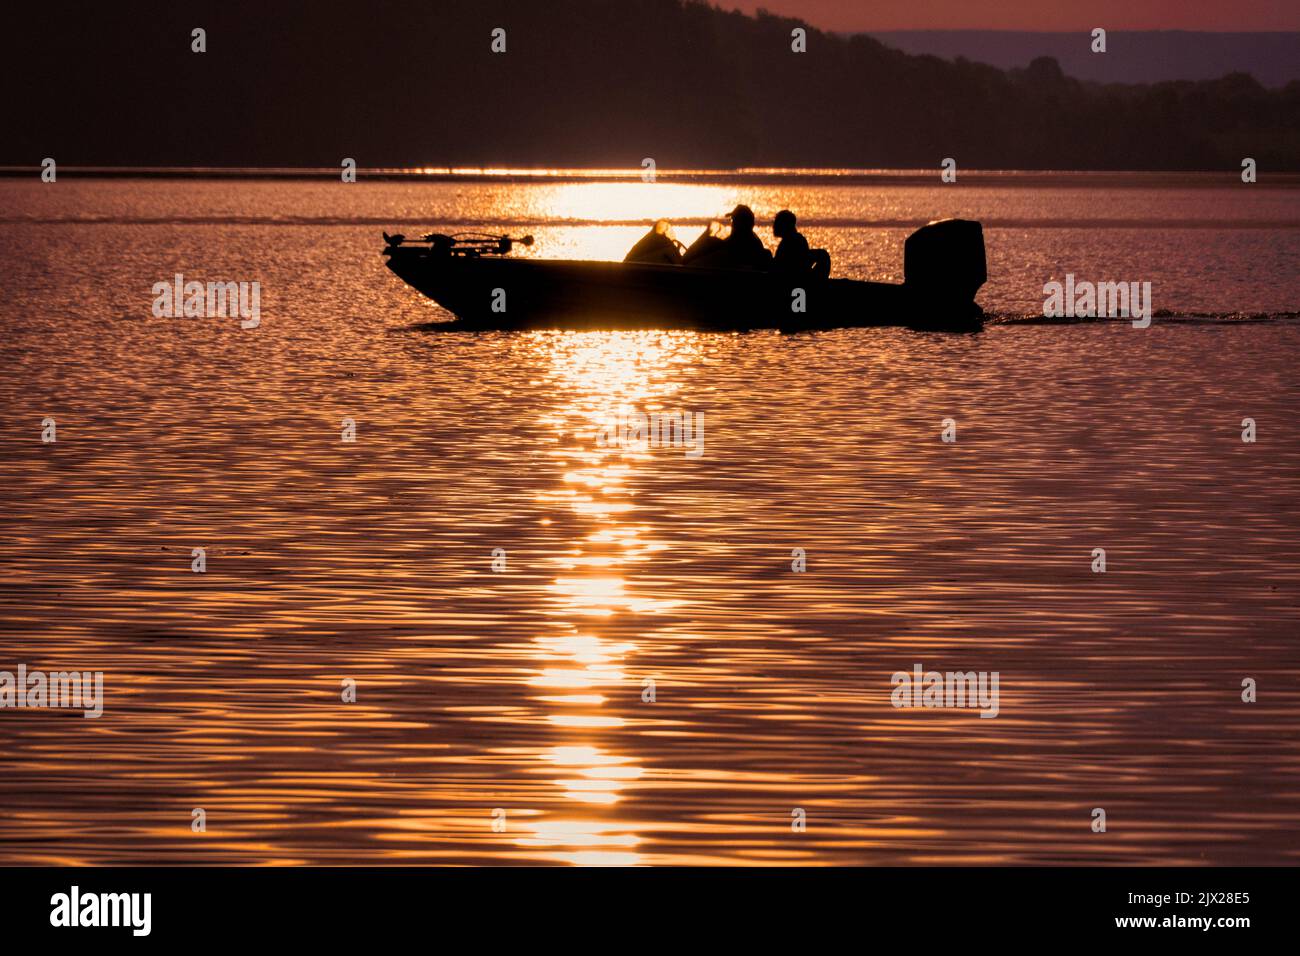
point(605, 374)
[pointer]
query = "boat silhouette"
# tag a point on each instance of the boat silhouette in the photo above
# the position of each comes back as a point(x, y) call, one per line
point(475, 277)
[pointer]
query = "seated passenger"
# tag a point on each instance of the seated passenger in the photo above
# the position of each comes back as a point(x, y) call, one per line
point(744, 250)
point(707, 243)
point(659, 245)
point(792, 256)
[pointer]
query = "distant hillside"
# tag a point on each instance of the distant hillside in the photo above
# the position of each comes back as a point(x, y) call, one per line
point(1141, 56)
point(583, 82)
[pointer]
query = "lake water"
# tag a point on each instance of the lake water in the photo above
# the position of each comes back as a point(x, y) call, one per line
point(504, 716)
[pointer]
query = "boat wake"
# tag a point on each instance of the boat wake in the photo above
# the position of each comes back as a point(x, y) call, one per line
point(1173, 316)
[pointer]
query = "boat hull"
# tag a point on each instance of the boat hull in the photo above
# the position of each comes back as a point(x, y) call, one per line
point(501, 293)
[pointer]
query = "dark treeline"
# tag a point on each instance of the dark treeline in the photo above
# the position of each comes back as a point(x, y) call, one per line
point(583, 82)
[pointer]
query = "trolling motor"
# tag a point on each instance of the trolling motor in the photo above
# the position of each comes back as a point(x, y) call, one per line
point(468, 244)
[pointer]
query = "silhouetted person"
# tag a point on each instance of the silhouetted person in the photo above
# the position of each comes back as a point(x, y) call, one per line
point(742, 249)
point(705, 245)
point(656, 246)
point(792, 255)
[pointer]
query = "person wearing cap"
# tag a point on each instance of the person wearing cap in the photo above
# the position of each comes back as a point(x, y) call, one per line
point(743, 248)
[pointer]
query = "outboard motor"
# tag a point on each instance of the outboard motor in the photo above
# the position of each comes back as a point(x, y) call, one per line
point(944, 265)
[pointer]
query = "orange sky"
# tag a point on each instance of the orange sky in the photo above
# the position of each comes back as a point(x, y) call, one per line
point(1226, 15)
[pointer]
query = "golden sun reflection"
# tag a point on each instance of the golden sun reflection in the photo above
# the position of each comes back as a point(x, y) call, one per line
point(601, 596)
point(571, 834)
point(602, 220)
point(623, 202)
point(580, 671)
point(585, 720)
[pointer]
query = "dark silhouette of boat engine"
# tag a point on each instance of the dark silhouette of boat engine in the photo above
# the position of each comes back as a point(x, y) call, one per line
point(944, 262)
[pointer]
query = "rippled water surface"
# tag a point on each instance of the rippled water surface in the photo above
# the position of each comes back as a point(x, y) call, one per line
point(634, 572)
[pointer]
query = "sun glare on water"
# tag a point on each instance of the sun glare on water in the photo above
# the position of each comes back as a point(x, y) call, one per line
point(603, 220)
point(581, 675)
